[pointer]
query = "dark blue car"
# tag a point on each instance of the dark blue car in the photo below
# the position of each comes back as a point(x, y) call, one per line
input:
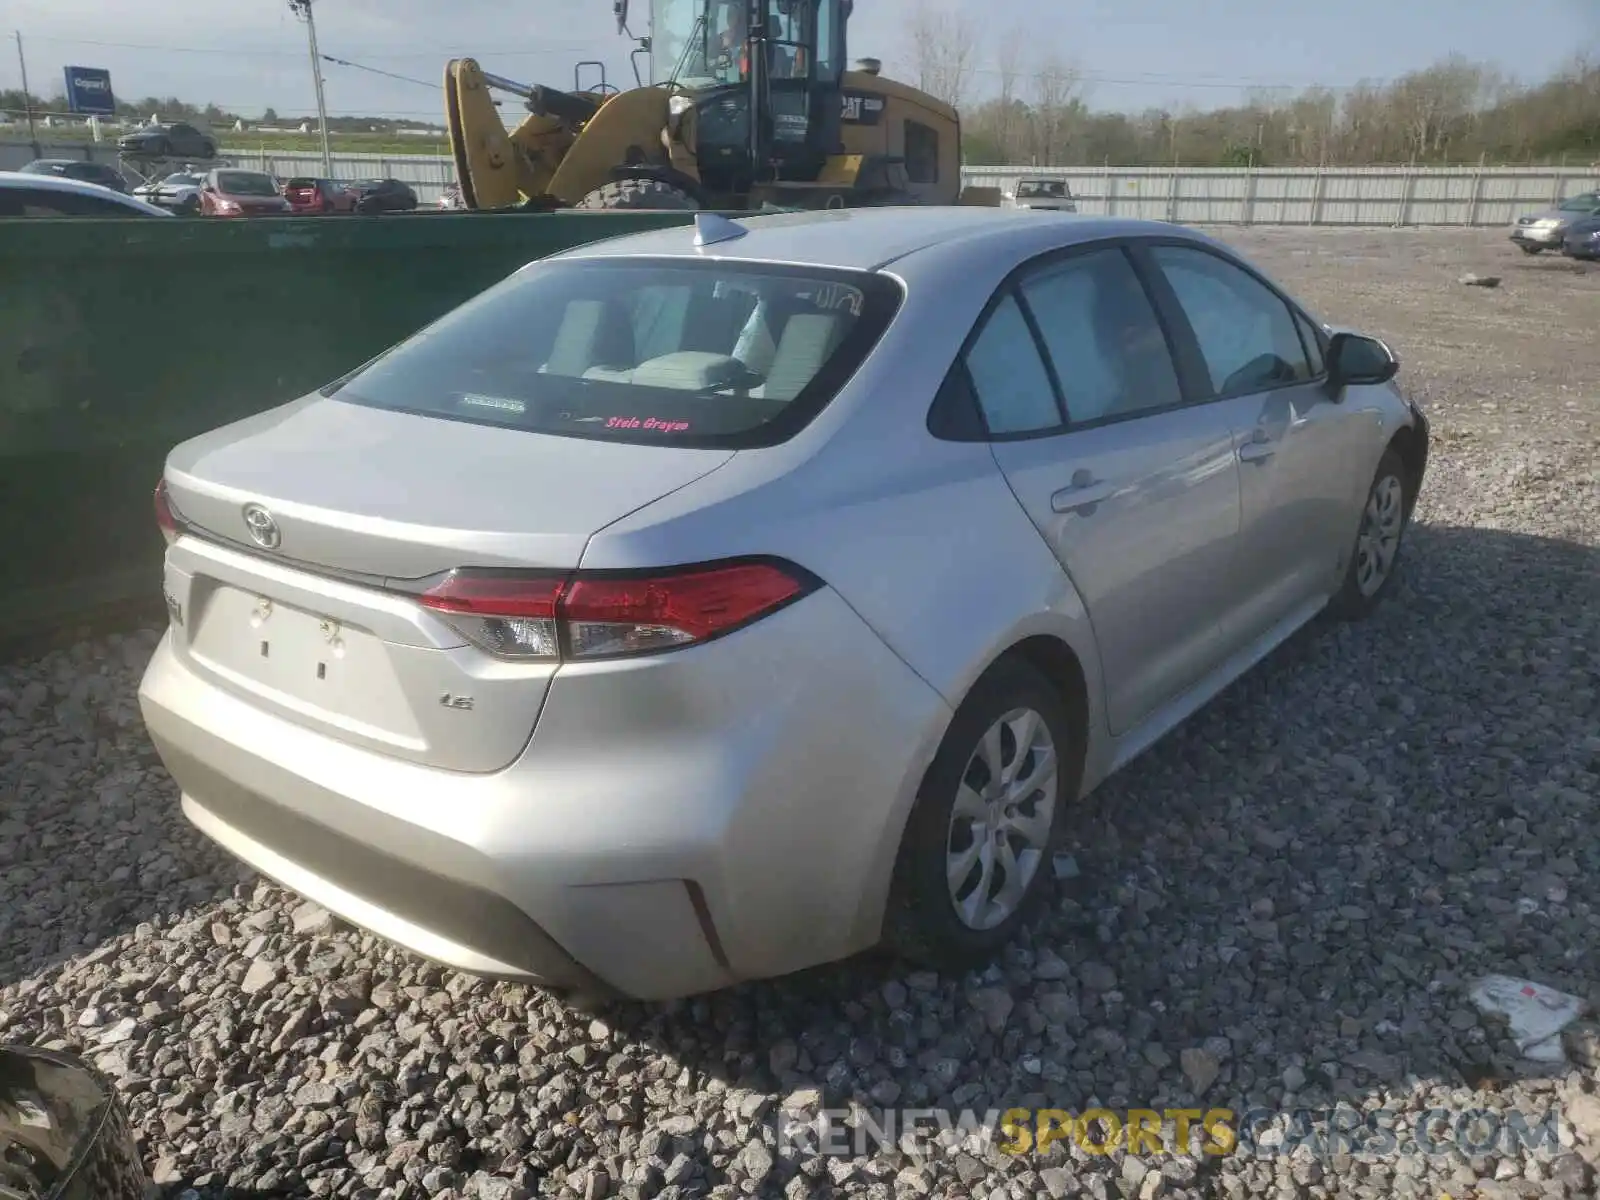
point(1582, 238)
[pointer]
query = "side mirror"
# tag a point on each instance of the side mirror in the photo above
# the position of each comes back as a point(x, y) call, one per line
point(1353, 359)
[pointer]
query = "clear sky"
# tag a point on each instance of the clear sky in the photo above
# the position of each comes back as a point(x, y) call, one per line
point(247, 54)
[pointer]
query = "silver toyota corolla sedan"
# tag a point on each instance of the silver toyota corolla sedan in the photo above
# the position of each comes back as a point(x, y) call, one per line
point(706, 604)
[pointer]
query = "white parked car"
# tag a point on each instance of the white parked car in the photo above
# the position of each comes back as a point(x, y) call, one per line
point(179, 191)
point(24, 195)
point(1052, 195)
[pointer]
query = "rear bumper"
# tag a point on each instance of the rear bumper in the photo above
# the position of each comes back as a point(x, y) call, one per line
point(675, 824)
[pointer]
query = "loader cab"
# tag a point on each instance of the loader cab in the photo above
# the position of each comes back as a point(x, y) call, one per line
point(702, 50)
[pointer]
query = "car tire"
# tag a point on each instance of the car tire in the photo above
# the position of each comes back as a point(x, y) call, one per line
point(644, 195)
point(190, 207)
point(1380, 538)
point(1532, 249)
point(208, 149)
point(950, 924)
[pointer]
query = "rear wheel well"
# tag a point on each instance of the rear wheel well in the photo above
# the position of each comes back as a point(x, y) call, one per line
point(1055, 660)
point(1408, 446)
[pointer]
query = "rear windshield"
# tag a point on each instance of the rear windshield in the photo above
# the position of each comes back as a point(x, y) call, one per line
point(298, 184)
point(674, 352)
point(246, 183)
point(1042, 188)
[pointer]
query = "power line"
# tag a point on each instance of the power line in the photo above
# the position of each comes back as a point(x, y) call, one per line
point(375, 71)
point(550, 48)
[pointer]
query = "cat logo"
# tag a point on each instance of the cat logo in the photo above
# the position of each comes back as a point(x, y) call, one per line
point(861, 108)
point(461, 703)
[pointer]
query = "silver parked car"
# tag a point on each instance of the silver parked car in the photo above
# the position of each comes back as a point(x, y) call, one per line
point(1534, 232)
point(706, 604)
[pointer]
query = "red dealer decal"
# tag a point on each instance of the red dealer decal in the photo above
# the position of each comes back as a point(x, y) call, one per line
point(657, 424)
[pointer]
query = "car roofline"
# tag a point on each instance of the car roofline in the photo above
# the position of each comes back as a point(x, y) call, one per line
point(79, 187)
point(866, 250)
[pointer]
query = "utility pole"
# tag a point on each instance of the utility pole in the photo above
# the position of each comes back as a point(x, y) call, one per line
point(302, 9)
point(27, 97)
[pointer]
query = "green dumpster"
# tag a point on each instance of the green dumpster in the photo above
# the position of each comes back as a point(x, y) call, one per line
point(121, 338)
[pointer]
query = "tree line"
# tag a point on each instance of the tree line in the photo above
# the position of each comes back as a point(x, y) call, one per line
point(1034, 110)
point(170, 108)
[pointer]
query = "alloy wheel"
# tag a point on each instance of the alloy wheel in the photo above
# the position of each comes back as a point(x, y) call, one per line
point(1002, 817)
point(1379, 540)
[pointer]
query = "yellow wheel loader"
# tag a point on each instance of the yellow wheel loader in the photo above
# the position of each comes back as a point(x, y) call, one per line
point(748, 104)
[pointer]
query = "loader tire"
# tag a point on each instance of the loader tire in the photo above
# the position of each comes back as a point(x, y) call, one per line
point(640, 195)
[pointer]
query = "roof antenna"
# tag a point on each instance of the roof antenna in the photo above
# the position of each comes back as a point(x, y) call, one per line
point(711, 228)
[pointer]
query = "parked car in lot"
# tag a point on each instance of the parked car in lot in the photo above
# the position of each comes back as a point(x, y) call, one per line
point(384, 195)
point(1582, 238)
point(310, 196)
point(179, 191)
point(175, 140)
point(797, 577)
point(1049, 194)
point(25, 195)
point(1540, 231)
point(76, 168)
point(235, 193)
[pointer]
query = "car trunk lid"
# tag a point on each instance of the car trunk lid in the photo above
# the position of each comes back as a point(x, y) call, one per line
point(321, 626)
point(384, 493)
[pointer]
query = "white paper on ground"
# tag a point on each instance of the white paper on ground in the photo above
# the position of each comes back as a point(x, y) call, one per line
point(1537, 1014)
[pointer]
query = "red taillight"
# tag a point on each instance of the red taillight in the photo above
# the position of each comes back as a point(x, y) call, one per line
point(166, 516)
point(604, 615)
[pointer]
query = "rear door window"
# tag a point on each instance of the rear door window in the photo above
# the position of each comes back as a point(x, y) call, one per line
point(1103, 338)
point(1012, 384)
point(27, 202)
point(668, 351)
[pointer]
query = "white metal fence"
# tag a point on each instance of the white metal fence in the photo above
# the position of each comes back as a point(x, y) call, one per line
point(1334, 196)
point(1198, 196)
point(1224, 196)
point(428, 174)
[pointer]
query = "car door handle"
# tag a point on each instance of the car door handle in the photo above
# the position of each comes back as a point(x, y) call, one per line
point(1259, 446)
point(1084, 494)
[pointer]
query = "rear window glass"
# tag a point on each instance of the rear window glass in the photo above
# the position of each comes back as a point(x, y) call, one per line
point(673, 352)
point(246, 183)
point(1037, 189)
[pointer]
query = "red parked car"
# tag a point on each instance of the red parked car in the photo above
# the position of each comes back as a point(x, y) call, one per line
point(308, 196)
point(232, 193)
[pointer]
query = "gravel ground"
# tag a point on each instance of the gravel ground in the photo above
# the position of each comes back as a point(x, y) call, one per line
point(1281, 905)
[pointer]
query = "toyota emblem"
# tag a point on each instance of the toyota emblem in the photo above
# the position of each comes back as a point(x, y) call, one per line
point(263, 529)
